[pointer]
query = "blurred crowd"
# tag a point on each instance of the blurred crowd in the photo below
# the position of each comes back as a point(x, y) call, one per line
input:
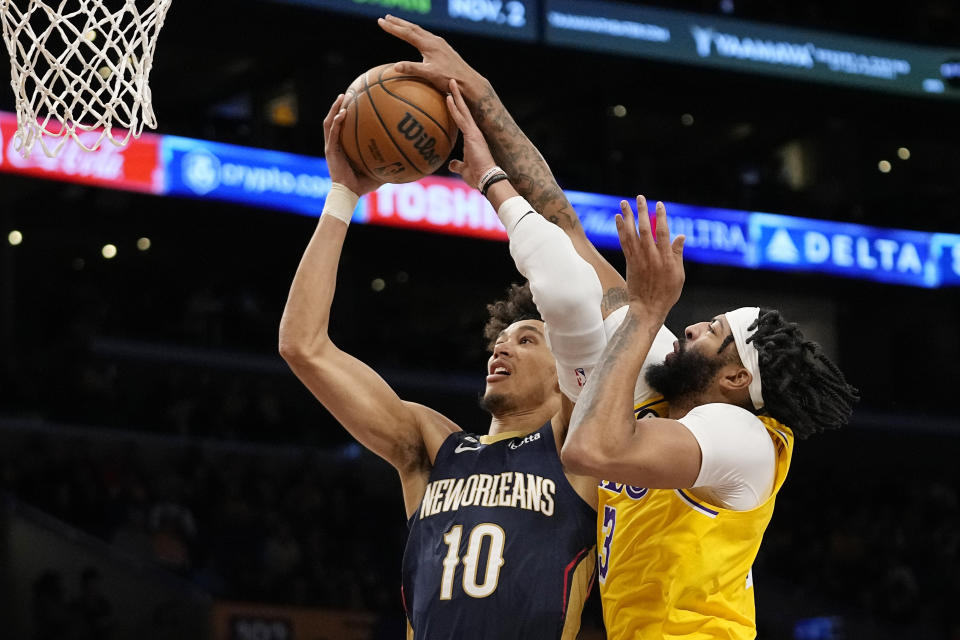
point(868, 542)
point(288, 528)
point(58, 614)
point(314, 530)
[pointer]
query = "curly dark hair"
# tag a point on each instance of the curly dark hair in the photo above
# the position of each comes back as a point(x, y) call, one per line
point(517, 305)
point(802, 388)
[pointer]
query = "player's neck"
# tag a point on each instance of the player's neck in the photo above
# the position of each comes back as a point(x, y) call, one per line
point(522, 420)
point(679, 407)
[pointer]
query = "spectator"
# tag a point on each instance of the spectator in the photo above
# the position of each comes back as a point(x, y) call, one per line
point(51, 615)
point(92, 611)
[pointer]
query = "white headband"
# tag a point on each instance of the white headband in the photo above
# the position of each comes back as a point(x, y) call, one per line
point(739, 320)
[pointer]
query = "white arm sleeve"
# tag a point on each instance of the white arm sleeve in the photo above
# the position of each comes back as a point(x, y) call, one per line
point(739, 461)
point(565, 288)
point(662, 345)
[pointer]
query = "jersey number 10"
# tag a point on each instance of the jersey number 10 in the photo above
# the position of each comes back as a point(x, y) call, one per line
point(471, 560)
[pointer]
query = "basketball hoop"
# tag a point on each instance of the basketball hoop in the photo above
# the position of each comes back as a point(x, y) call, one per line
point(80, 69)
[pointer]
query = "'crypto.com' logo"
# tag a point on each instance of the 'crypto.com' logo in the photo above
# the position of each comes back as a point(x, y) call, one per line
point(200, 171)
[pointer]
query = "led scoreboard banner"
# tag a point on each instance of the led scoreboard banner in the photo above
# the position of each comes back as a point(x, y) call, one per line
point(738, 45)
point(186, 167)
point(514, 19)
point(687, 38)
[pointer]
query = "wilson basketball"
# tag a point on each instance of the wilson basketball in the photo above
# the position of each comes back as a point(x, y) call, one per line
point(397, 127)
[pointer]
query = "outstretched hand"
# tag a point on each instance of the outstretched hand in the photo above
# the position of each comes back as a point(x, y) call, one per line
point(477, 158)
point(441, 63)
point(654, 266)
point(340, 169)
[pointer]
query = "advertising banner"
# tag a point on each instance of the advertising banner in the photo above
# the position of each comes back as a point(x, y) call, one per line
point(752, 47)
point(513, 19)
point(855, 251)
point(713, 236)
point(248, 621)
point(170, 165)
point(135, 167)
point(259, 177)
point(441, 205)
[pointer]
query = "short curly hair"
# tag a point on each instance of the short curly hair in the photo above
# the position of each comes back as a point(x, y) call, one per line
point(802, 388)
point(516, 306)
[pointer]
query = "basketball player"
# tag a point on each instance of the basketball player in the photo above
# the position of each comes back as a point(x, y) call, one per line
point(690, 488)
point(502, 539)
point(689, 493)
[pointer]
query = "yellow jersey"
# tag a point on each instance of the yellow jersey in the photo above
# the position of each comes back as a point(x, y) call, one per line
point(673, 566)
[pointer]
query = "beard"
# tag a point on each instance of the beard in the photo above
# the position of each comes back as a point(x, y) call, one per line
point(686, 375)
point(496, 403)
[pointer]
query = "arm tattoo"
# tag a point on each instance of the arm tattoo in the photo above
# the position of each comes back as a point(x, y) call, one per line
point(611, 355)
point(613, 299)
point(518, 156)
point(610, 364)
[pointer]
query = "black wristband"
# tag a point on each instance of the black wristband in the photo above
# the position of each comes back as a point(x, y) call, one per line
point(496, 178)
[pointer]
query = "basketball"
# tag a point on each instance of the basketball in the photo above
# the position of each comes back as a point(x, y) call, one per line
point(397, 127)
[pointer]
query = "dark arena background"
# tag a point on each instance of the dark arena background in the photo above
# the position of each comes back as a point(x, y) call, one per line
point(164, 475)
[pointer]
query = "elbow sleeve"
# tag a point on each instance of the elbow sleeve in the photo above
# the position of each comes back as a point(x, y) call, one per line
point(565, 288)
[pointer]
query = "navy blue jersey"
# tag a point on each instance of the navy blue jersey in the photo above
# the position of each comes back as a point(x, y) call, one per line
point(501, 546)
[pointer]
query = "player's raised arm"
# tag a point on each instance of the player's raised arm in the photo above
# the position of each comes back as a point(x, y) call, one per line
point(565, 287)
point(400, 432)
point(604, 436)
point(512, 150)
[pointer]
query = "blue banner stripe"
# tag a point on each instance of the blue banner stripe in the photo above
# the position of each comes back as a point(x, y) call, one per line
point(752, 240)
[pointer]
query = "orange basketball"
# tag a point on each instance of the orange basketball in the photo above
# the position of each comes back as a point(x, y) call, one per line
point(397, 127)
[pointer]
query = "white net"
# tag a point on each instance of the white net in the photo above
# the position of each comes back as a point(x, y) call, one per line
point(80, 69)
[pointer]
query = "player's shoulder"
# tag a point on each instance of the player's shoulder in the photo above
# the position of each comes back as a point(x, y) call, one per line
point(434, 427)
point(430, 416)
point(729, 419)
point(726, 411)
point(736, 451)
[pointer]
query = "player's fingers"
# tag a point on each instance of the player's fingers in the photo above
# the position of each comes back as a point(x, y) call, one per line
point(624, 245)
point(677, 246)
point(643, 218)
point(642, 207)
point(663, 230)
point(628, 218)
point(407, 67)
point(333, 135)
point(399, 22)
point(334, 110)
point(627, 229)
point(455, 112)
point(406, 31)
point(456, 166)
point(644, 233)
point(394, 25)
point(461, 103)
point(462, 116)
point(627, 234)
point(463, 119)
